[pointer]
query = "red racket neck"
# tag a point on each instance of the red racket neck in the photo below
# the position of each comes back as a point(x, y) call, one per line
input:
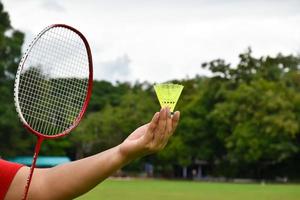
point(35, 156)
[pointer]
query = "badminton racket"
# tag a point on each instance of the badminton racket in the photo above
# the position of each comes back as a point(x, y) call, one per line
point(53, 85)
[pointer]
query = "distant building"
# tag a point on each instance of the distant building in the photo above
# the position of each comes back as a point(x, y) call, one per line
point(42, 161)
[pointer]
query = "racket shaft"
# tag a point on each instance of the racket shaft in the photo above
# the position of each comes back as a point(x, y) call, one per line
point(35, 156)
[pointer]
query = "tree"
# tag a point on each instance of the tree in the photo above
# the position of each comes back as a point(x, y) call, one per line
point(11, 132)
point(11, 41)
point(257, 120)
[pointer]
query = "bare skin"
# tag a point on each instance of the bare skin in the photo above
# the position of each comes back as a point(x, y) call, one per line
point(73, 179)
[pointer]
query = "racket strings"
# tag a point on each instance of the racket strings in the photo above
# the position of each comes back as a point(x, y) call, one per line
point(54, 81)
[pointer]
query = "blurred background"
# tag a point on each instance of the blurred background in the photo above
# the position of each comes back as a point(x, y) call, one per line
point(239, 62)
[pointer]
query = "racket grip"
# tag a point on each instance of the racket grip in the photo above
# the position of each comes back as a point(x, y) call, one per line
point(35, 156)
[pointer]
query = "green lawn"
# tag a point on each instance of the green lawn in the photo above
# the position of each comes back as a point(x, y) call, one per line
point(183, 190)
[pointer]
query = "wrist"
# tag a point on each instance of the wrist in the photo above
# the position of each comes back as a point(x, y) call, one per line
point(123, 156)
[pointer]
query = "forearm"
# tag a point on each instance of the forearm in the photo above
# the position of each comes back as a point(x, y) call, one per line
point(76, 178)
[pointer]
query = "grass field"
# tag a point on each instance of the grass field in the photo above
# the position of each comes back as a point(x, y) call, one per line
point(183, 190)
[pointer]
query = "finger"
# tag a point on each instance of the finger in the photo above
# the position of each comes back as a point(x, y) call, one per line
point(165, 135)
point(169, 124)
point(152, 126)
point(162, 122)
point(162, 128)
point(168, 131)
point(175, 120)
point(153, 123)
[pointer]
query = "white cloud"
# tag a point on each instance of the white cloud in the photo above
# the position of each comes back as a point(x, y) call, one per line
point(168, 39)
point(116, 69)
point(52, 5)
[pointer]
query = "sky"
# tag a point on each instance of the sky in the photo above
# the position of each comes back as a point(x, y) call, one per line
point(161, 40)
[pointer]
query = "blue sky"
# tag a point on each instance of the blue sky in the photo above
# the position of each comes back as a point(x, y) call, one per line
point(160, 40)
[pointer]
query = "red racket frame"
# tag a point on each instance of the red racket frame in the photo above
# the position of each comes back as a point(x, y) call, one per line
point(41, 136)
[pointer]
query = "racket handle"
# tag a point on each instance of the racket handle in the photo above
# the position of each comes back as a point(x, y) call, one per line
point(35, 156)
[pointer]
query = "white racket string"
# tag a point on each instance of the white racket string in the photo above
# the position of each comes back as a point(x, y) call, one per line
point(53, 81)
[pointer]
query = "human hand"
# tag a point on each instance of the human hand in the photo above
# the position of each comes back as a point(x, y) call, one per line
point(150, 137)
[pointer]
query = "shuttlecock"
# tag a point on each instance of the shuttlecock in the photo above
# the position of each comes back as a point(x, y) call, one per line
point(168, 94)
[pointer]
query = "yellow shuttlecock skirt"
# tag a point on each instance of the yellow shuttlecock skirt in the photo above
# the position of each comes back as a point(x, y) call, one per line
point(168, 94)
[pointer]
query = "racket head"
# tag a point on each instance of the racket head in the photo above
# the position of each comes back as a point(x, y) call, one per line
point(59, 63)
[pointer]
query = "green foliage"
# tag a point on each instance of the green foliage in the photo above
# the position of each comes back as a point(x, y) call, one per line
point(11, 132)
point(10, 46)
point(255, 111)
point(262, 120)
